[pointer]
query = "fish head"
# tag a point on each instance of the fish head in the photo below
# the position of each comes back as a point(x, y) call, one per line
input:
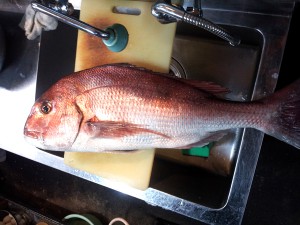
point(53, 123)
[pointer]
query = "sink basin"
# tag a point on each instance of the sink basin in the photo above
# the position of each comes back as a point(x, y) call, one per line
point(196, 55)
point(212, 190)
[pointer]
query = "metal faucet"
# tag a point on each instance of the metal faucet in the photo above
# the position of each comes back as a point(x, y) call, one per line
point(115, 37)
point(61, 10)
point(166, 12)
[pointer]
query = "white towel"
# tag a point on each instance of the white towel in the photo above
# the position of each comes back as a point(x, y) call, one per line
point(34, 22)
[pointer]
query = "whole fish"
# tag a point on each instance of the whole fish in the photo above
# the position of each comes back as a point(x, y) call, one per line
point(123, 107)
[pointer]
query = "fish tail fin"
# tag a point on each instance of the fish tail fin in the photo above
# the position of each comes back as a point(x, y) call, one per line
point(285, 119)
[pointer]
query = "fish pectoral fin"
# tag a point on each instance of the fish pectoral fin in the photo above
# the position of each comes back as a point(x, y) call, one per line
point(115, 129)
point(210, 137)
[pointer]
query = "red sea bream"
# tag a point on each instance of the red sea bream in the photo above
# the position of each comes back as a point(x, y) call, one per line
point(123, 107)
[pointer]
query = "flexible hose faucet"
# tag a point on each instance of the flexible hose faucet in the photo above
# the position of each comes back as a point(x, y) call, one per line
point(168, 13)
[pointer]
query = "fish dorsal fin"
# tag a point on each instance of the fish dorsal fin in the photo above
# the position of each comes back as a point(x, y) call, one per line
point(128, 65)
point(119, 65)
point(206, 86)
point(135, 67)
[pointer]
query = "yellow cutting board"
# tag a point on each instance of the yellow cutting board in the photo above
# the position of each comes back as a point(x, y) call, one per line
point(149, 45)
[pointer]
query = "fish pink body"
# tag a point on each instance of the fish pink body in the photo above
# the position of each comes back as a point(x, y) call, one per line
point(122, 107)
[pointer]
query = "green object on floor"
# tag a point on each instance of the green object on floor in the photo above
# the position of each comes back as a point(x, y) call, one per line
point(198, 151)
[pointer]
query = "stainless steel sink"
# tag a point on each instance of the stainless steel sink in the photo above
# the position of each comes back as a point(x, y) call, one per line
point(212, 190)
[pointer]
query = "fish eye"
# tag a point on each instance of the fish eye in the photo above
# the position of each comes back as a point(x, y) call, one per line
point(46, 107)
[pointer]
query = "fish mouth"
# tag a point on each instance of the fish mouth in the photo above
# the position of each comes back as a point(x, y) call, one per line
point(35, 138)
point(32, 134)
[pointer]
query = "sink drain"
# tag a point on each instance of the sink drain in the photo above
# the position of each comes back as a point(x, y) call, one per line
point(176, 69)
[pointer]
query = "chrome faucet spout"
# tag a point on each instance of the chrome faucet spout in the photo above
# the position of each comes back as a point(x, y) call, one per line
point(168, 13)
